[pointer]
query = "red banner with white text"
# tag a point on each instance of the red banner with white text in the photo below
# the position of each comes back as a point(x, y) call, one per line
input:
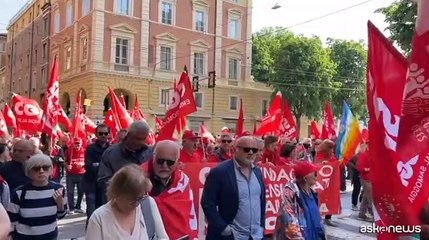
point(327, 187)
point(27, 112)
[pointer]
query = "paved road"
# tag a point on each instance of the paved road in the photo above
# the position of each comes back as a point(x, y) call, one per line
point(348, 227)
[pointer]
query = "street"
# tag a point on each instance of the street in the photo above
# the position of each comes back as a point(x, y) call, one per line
point(72, 226)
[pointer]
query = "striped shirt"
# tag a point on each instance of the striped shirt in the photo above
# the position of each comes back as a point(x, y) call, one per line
point(34, 216)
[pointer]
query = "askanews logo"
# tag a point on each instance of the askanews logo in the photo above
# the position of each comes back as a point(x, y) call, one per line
point(389, 229)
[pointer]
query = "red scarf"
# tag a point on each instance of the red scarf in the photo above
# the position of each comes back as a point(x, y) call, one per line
point(176, 206)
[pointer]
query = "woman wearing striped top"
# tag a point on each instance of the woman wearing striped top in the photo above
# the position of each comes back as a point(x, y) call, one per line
point(36, 206)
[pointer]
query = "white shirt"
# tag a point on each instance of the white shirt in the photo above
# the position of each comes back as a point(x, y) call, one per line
point(104, 226)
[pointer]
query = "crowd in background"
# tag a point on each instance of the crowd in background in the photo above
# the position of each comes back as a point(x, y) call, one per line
point(98, 168)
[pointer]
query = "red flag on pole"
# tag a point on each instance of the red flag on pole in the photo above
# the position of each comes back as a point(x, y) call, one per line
point(315, 133)
point(288, 127)
point(9, 117)
point(328, 127)
point(64, 119)
point(240, 121)
point(271, 121)
point(137, 113)
point(3, 127)
point(27, 112)
point(396, 204)
point(119, 110)
point(51, 102)
point(182, 104)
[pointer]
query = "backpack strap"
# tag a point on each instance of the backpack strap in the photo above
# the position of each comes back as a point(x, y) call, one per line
point(148, 218)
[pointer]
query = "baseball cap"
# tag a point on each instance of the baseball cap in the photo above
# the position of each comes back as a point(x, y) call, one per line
point(189, 134)
point(302, 168)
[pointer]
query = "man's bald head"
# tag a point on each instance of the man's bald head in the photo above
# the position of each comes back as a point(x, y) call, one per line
point(167, 146)
point(23, 150)
point(245, 140)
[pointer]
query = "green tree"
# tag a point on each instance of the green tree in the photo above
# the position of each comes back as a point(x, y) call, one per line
point(266, 44)
point(350, 58)
point(401, 17)
point(303, 72)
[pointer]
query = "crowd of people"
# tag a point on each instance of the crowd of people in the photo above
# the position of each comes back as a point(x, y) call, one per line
point(136, 191)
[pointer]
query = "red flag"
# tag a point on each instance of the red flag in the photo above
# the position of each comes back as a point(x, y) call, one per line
point(240, 121)
point(158, 123)
point(111, 121)
point(204, 133)
point(271, 121)
point(119, 110)
point(182, 104)
point(51, 102)
point(64, 119)
point(9, 117)
point(137, 113)
point(122, 100)
point(78, 124)
point(396, 204)
point(315, 133)
point(3, 127)
point(328, 127)
point(90, 126)
point(288, 127)
point(27, 112)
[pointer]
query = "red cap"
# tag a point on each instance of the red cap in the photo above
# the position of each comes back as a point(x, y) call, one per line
point(189, 134)
point(302, 168)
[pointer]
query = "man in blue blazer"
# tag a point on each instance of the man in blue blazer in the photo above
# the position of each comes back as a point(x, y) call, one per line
point(233, 199)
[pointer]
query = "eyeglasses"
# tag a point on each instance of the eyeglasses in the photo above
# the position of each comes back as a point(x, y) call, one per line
point(139, 199)
point(103, 133)
point(37, 168)
point(248, 149)
point(226, 141)
point(169, 162)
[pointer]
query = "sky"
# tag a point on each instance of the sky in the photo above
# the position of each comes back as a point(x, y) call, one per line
point(348, 24)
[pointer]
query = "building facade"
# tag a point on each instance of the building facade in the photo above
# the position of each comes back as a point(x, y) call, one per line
point(138, 47)
point(3, 63)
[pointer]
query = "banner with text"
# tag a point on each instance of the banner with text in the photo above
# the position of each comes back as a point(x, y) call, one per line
point(327, 186)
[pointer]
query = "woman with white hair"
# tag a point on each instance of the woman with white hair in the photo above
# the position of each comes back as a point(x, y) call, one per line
point(36, 206)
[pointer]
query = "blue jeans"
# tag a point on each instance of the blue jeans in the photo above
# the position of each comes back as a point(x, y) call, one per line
point(90, 205)
point(73, 180)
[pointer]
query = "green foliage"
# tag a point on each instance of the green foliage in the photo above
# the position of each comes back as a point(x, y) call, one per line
point(302, 70)
point(308, 74)
point(351, 59)
point(401, 17)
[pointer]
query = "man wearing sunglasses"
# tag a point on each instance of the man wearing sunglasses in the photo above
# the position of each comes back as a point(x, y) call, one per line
point(131, 150)
point(189, 153)
point(171, 191)
point(224, 151)
point(13, 171)
point(93, 155)
point(233, 199)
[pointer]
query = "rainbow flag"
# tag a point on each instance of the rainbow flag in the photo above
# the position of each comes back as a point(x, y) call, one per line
point(349, 135)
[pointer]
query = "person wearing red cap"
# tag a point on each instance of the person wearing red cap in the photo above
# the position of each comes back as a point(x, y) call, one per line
point(299, 216)
point(75, 161)
point(188, 153)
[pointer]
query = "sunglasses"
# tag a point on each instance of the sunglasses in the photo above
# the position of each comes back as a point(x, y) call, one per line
point(248, 149)
point(37, 168)
point(138, 200)
point(226, 141)
point(103, 133)
point(169, 162)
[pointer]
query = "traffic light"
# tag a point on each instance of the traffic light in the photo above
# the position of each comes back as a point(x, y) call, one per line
point(195, 84)
point(212, 79)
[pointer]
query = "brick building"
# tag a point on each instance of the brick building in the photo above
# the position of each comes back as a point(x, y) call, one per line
point(139, 48)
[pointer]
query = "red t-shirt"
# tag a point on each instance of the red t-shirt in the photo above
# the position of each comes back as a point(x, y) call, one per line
point(190, 158)
point(76, 161)
point(362, 163)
